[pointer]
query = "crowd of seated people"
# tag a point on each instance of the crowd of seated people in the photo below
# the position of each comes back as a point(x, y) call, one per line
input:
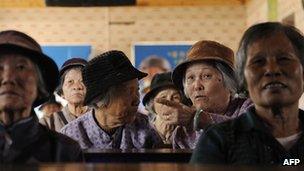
point(243, 112)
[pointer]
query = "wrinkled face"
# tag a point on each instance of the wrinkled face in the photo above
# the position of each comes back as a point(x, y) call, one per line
point(18, 82)
point(170, 94)
point(125, 104)
point(273, 72)
point(205, 87)
point(73, 88)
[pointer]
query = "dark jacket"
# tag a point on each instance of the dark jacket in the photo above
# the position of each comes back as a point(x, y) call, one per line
point(245, 140)
point(27, 141)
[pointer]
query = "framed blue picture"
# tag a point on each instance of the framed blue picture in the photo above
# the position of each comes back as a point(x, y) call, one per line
point(173, 52)
point(61, 53)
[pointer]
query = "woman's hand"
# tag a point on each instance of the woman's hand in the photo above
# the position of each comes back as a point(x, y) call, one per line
point(176, 113)
point(164, 129)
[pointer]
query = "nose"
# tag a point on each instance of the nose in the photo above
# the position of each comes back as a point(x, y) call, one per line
point(8, 75)
point(198, 85)
point(78, 86)
point(272, 68)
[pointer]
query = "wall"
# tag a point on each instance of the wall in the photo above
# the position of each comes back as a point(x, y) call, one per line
point(286, 8)
point(256, 11)
point(118, 27)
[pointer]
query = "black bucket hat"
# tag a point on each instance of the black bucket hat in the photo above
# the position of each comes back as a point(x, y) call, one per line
point(12, 41)
point(159, 82)
point(106, 70)
point(73, 62)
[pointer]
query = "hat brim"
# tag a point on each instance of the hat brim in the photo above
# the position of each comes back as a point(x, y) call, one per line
point(179, 71)
point(114, 79)
point(61, 72)
point(155, 90)
point(46, 65)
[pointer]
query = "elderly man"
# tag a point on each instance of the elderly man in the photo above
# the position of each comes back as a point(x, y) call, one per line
point(27, 77)
point(270, 64)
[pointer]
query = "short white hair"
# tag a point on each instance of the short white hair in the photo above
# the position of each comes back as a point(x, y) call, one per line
point(228, 74)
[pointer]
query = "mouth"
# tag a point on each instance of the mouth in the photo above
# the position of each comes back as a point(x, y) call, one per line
point(77, 94)
point(199, 97)
point(275, 85)
point(9, 93)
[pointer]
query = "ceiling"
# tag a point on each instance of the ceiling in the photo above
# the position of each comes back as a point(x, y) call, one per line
point(41, 3)
point(188, 2)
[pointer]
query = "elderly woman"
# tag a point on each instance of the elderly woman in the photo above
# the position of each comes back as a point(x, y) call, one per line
point(72, 89)
point(207, 77)
point(112, 90)
point(161, 87)
point(270, 63)
point(27, 77)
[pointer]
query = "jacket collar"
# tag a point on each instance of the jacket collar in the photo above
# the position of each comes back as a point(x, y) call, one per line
point(23, 132)
point(251, 121)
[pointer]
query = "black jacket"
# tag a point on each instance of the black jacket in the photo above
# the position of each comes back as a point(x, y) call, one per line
point(245, 140)
point(27, 141)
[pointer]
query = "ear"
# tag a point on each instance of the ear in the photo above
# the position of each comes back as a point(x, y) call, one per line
point(303, 78)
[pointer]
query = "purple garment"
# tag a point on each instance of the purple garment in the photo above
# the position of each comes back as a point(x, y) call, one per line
point(186, 138)
point(137, 135)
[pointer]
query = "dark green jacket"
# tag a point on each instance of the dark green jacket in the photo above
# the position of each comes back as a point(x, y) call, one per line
point(245, 140)
point(27, 141)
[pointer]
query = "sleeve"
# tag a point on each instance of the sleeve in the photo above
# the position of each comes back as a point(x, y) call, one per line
point(216, 118)
point(71, 151)
point(209, 149)
point(154, 139)
point(64, 130)
point(204, 120)
point(183, 138)
point(157, 141)
point(43, 121)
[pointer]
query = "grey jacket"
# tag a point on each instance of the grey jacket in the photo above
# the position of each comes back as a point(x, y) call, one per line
point(58, 120)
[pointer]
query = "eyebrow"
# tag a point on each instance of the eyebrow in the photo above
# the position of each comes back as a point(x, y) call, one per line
point(201, 69)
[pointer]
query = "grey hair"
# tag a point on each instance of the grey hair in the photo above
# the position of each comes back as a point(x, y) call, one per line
point(42, 91)
point(228, 74)
point(105, 98)
point(150, 108)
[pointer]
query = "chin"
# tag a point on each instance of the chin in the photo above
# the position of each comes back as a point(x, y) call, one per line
point(274, 102)
point(198, 106)
point(76, 102)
